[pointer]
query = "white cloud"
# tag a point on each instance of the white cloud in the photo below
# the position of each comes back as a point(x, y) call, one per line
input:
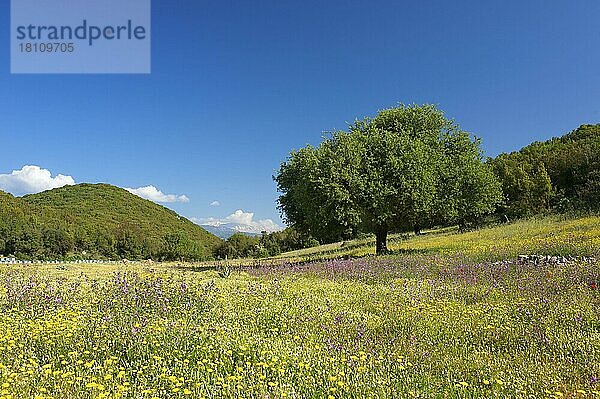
point(241, 221)
point(240, 217)
point(215, 203)
point(32, 179)
point(153, 194)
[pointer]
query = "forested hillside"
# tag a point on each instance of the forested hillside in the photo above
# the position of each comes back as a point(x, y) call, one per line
point(562, 174)
point(97, 220)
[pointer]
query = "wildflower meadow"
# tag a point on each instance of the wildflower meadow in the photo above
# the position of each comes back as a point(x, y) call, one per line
point(412, 324)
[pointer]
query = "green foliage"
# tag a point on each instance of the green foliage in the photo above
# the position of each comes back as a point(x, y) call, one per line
point(469, 189)
point(97, 220)
point(177, 245)
point(56, 241)
point(561, 173)
point(241, 245)
point(525, 183)
point(128, 243)
point(290, 239)
point(408, 166)
point(309, 201)
point(589, 192)
point(238, 245)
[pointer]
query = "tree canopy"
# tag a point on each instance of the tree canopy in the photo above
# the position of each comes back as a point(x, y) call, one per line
point(407, 167)
point(561, 173)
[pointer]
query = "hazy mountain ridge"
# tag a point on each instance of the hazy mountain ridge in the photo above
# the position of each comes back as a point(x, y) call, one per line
point(225, 231)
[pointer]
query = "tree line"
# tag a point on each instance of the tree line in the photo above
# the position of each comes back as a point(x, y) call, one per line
point(36, 242)
point(561, 174)
point(405, 169)
point(240, 245)
point(410, 167)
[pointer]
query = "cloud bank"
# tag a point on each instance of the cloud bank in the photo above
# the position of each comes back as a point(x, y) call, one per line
point(31, 179)
point(215, 203)
point(153, 194)
point(243, 222)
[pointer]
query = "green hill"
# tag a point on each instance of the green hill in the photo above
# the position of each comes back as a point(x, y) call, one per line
point(88, 220)
point(562, 173)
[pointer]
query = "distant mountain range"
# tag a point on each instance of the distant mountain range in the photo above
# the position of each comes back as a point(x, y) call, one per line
point(226, 230)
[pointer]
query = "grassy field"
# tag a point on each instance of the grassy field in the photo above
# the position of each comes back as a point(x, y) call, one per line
point(553, 235)
point(447, 316)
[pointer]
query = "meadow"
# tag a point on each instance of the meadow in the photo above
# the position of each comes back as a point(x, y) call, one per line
point(551, 235)
point(446, 316)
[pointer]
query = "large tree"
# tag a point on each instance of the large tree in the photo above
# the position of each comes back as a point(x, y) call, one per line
point(468, 187)
point(394, 171)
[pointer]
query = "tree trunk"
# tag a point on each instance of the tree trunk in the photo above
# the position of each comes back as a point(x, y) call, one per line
point(417, 230)
point(381, 240)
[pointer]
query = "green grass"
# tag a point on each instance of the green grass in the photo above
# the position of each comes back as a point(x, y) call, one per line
point(550, 235)
point(439, 319)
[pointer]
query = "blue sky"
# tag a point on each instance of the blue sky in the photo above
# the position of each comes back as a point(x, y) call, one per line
point(236, 85)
